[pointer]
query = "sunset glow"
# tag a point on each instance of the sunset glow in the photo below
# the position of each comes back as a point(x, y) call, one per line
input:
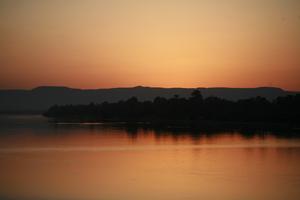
point(165, 43)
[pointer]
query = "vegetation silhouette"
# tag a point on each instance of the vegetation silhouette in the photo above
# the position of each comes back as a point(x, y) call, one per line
point(176, 109)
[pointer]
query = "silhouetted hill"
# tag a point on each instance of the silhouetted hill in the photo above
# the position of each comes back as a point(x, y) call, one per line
point(41, 98)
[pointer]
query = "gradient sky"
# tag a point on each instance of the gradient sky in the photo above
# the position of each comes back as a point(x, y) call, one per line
point(167, 43)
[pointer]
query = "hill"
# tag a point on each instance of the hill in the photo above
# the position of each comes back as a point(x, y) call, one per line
point(41, 98)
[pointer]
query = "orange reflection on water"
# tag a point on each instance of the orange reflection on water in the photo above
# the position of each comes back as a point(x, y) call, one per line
point(111, 163)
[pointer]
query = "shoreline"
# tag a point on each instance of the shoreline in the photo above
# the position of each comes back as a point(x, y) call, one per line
point(181, 124)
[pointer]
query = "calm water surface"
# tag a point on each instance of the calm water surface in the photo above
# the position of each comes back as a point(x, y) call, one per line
point(39, 160)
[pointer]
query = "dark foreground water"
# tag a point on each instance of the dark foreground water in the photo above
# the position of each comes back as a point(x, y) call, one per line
point(39, 160)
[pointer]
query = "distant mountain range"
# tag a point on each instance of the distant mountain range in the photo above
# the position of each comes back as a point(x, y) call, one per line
point(41, 98)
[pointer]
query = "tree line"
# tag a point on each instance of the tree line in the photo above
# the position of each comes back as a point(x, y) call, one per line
point(282, 109)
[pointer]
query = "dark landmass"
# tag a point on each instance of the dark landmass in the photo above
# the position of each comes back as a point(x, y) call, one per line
point(38, 100)
point(194, 111)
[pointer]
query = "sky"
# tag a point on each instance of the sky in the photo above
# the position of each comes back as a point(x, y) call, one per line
point(161, 43)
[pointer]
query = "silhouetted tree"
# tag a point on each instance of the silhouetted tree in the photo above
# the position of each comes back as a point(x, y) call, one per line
point(282, 109)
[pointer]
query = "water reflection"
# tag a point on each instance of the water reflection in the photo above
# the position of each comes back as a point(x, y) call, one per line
point(39, 160)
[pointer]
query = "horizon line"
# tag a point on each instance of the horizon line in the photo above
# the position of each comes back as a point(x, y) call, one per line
point(143, 86)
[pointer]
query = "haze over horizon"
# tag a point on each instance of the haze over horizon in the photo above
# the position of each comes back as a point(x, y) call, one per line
point(166, 43)
point(143, 86)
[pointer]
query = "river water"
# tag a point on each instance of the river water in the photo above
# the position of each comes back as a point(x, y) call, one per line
point(42, 160)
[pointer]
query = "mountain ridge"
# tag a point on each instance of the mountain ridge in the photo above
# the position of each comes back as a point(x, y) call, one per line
point(42, 97)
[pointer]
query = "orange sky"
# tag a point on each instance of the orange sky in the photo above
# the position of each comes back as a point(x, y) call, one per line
point(167, 43)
